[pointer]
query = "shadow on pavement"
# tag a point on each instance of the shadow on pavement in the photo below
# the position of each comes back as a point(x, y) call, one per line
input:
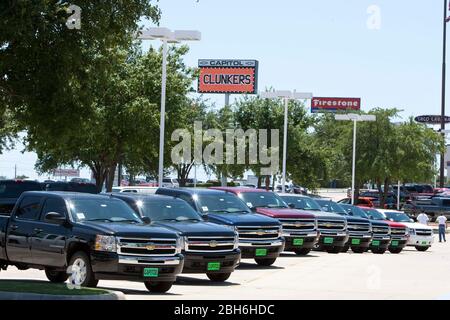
point(135, 292)
point(291, 255)
point(254, 266)
point(186, 281)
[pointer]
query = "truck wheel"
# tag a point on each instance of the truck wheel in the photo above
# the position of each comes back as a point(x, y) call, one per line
point(345, 249)
point(158, 287)
point(56, 276)
point(422, 248)
point(81, 273)
point(302, 252)
point(334, 250)
point(378, 251)
point(265, 262)
point(358, 250)
point(218, 277)
point(395, 250)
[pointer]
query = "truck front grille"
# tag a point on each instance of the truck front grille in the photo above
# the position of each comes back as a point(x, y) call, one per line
point(381, 231)
point(298, 225)
point(424, 232)
point(330, 225)
point(146, 247)
point(398, 232)
point(210, 244)
point(358, 227)
point(258, 233)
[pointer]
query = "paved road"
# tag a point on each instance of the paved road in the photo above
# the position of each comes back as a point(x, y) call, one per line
point(409, 275)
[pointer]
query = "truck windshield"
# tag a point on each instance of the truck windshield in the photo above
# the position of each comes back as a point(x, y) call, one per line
point(102, 210)
point(330, 206)
point(223, 203)
point(355, 211)
point(262, 200)
point(374, 214)
point(397, 216)
point(13, 189)
point(168, 210)
point(302, 203)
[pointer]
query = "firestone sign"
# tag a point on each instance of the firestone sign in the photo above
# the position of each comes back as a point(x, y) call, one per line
point(335, 104)
point(228, 76)
point(431, 119)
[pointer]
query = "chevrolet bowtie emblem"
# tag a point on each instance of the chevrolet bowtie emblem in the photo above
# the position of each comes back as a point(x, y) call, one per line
point(328, 225)
point(150, 247)
point(213, 244)
point(260, 232)
point(298, 224)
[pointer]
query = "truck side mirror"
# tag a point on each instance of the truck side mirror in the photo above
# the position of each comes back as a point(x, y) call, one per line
point(291, 205)
point(55, 217)
point(411, 220)
point(205, 217)
point(146, 220)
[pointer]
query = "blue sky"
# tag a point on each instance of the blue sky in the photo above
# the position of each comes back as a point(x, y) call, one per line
point(324, 47)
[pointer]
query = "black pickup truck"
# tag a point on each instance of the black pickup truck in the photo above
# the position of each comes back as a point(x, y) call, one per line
point(208, 248)
point(87, 238)
point(11, 190)
point(432, 206)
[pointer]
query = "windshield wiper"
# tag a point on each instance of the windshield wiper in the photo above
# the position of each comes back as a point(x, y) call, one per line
point(191, 219)
point(126, 220)
point(101, 219)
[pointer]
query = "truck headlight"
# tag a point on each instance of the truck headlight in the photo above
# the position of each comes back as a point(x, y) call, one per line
point(105, 243)
point(280, 231)
point(232, 228)
point(411, 231)
point(180, 245)
point(236, 240)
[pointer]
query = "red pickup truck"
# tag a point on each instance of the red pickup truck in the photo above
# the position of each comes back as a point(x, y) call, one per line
point(299, 228)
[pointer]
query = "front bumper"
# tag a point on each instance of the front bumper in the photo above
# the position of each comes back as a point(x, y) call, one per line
point(359, 241)
point(252, 250)
point(333, 239)
point(200, 262)
point(300, 241)
point(420, 241)
point(398, 243)
point(111, 266)
point(380, 242)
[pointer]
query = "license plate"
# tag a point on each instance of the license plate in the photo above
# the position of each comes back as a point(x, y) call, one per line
point(394, 243)
point(213, 266)
point(298, 242)
point(261, 252)
point(151, 272)
point(375, 243)
point(356, 242)
point(424, 243)
point(328, 240)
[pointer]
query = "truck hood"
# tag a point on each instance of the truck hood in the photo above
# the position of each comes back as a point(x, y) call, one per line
point(284, 213)
point(395, 224)
point(246, 219)
point(129, 230)
point(191, 228)
point(356, 219)
point(379, 223)
point(329, 216)
point(415, 225)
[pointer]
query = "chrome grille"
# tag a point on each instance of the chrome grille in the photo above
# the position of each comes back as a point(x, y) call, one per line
point(330, 225)
point(258, 233)
point(424, 232)
point(381, 230)
point(358, 227)
point(210, 244)
point(146, 247)
point(298, 225)
point(398, 232)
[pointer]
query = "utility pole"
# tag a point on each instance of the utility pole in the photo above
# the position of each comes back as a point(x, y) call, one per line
point(444, 54)
point(15, 171)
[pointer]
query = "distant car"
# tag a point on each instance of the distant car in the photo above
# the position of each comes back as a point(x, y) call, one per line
point(71, 187)
point(362, 202)
point(135, 189)
point(170, 183)
point(80, 180)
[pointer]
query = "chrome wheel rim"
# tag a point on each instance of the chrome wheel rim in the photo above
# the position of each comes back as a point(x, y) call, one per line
point(79, 271)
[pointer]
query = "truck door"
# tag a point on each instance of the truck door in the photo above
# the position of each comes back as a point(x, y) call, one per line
point(49, 238)
point(21, 228)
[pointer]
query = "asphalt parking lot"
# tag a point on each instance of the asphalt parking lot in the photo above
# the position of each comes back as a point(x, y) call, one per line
point(409, 275)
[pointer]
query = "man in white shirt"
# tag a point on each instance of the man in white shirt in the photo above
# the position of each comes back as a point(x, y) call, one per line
point(442, 221)
point(423, 218)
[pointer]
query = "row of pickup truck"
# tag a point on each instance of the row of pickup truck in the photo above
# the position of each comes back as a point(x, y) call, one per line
point(85, 238)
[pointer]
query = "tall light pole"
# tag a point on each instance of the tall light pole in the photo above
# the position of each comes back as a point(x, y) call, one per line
point(287, 96)
point(166, 36)
point(355, 118)
point(444, 58)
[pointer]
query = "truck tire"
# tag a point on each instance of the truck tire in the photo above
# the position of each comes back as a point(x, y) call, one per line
point(345, 249)
point(158, 287)
point(302, 252)
point(395, 250)
point(358, 250)
point(265, 262)
point(422, 249)
point(334, 250)
point(218, 277)
point(378, 251)
point(56, 276)
point(82, 273)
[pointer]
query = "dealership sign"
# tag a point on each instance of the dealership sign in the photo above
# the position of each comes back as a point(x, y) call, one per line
point(66, 172)
point(228, 76)
point(335, 104)
point(432, 119)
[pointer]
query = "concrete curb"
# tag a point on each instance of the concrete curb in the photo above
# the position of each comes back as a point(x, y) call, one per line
point(113, 295)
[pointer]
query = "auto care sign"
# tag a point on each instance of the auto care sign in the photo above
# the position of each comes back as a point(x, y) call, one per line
point(228, 76)
point(335, 104)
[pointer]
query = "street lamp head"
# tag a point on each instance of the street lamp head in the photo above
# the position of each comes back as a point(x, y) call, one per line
point(160, 33)
point(187, 35)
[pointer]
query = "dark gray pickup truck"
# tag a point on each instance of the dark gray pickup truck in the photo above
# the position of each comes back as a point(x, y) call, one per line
point(89, 238)
point(433, 207)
